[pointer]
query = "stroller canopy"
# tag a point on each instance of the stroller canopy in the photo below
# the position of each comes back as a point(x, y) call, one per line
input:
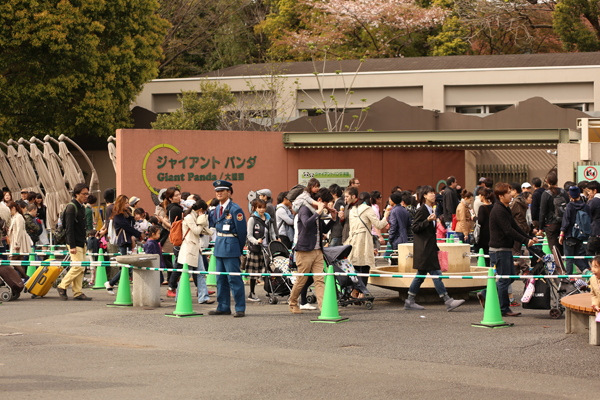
point(332, 254)
point(278, 249)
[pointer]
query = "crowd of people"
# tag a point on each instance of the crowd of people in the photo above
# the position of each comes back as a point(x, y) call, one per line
point(500, 219)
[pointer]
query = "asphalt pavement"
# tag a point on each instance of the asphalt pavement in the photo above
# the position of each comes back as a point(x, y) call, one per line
point(50, 348)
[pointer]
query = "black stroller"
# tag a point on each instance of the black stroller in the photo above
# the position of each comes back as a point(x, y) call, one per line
point(277, 260)
point(549, 292)
point(338, 258)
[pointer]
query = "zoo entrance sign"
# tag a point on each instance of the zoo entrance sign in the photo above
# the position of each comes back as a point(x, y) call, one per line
point(180, 167)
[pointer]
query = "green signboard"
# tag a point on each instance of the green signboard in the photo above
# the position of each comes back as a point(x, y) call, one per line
point(588, 173)
point(326, 177)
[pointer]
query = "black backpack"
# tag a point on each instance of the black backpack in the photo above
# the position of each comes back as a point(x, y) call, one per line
point(60, 232)
point(560, 205)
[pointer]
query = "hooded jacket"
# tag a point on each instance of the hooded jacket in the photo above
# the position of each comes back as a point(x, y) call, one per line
point(571, 214)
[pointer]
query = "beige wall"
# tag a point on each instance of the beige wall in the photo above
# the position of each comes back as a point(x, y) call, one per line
point(568, 155)
point(433, 90)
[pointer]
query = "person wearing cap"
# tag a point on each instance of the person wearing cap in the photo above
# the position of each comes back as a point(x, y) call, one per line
point(265, 194)
point(133, 201)
point(231, 238)
point(480, 185)
point(526, 187)
point(573, 246)
point(24, 193)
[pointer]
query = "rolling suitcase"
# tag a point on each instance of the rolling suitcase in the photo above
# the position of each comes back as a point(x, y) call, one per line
point(12, 278)
point(41, 281)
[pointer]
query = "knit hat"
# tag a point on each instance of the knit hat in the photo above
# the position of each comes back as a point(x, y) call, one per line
point(396, 197)
point(574, 192)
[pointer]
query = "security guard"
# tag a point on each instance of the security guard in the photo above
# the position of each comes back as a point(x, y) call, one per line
point(231, 238)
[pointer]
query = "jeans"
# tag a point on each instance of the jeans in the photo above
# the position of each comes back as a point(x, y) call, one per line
point(417, 282)
point(574, 247)
point(364, 269)
point(388, 253)
point(504, 266)
point(552, 233)
point(335, 242)
point(115, 279)
point(175, 275)
point(199, 281)
point(461, 237)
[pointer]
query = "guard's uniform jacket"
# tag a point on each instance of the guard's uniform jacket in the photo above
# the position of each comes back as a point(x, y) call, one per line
point(231, 231)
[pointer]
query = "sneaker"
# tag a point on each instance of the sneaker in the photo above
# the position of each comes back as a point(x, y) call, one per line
point(62, 293)
point(211, 292)
point(109, 288)
point(514, 303)
point(171, 293)
point(451, 304)
point(409, 304)
point(252, 297)
point(307, 306)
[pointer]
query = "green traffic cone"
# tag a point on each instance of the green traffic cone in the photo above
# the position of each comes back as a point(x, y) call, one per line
point(31, 268)
point(211, 279)
point(124, 290)
point(492, 316)
point(184, 297)
point(481, 259)
point(329, 308)
point(101, 276)
point(52, 257)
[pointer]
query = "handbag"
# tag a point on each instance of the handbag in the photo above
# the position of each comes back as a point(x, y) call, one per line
point(541, 296)
point(443, 259)
point(112, 235)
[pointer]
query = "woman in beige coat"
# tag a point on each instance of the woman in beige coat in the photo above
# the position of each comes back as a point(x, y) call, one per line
point(362, 219)
point(463, 216)
point(195, 224)
point(20, 242)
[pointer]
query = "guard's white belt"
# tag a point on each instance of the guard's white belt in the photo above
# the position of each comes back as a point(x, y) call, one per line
point(226, 234)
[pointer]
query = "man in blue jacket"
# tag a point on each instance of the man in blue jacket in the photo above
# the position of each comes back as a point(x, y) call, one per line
point(231, 238)
point(309, 249)
point(399, 220)
point(573, 246)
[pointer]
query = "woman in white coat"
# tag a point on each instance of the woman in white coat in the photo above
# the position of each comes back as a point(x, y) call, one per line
point(196, 236)
point(362, 219)
point(20, 242)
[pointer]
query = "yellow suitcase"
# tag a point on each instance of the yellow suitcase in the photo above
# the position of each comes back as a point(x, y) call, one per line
point(41, 281)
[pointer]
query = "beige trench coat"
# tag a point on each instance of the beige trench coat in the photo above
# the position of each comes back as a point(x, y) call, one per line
point(17, 235)
point(360, 237)
point(190, 248)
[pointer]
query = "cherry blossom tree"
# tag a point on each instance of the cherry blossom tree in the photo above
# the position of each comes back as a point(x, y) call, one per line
point(351, 27)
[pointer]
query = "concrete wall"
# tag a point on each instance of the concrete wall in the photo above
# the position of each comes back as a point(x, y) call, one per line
point(568, 155)
point(433, 89)
point(275, 168)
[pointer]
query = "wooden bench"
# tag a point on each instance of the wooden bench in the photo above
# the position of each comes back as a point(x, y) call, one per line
point(580, 317)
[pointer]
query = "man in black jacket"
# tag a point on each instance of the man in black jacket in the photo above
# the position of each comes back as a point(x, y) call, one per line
point(504, 231)
point(450, 200)
point(550, 215)
point(536, 197)
point(309, 253)
point(74, 224)
point(593, 246)
point(573, 246)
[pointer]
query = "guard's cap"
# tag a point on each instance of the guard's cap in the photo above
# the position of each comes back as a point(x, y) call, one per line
point(223, 185)
point(264, 192)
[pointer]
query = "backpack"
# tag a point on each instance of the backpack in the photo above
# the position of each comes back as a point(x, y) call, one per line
point(60, 232)
point(560, 205)
point(582, 229)
point(176, 235)
point(295, 192)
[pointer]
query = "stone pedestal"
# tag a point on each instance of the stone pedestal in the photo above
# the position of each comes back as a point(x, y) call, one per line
point(146, 283)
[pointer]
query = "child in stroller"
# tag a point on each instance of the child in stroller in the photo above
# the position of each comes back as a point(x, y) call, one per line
point(337, 257)
point(277, 260)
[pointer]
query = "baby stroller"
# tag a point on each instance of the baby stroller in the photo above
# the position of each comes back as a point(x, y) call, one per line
point(277, 260)
point(337, 257)
point(548, 292)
